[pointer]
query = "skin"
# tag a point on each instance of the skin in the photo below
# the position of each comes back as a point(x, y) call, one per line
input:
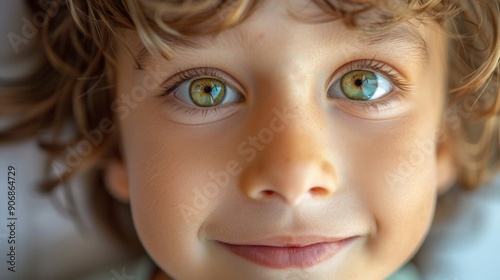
point(333, 167)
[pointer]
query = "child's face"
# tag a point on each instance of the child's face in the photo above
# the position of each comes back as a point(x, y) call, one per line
point(285, 157)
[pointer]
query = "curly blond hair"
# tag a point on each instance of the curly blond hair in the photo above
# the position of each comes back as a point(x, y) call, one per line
point(73, 88)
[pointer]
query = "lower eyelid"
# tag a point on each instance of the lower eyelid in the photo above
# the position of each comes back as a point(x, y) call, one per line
point(390, 107)
point(190, 115)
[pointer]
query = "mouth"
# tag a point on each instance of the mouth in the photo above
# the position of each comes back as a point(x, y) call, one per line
point(278, 253)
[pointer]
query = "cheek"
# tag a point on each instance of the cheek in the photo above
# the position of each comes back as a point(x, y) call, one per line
point(393, 170)
point(400, 185)
point(168, 174)
point(161, 181)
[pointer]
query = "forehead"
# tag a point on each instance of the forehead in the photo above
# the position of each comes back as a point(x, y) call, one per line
point(274, 23)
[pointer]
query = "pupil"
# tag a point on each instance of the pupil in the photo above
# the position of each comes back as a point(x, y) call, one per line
point(207, 89)
point(358, 82)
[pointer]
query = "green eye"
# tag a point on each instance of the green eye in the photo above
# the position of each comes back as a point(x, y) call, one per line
point(364, 85)
point(207, 92)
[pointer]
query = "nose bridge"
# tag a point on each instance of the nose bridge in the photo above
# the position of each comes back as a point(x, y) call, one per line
point(290, 164)
point(290, 161)
point(296, 135)
point(287, 110)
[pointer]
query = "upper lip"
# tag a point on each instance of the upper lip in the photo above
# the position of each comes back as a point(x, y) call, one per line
point(287, 241)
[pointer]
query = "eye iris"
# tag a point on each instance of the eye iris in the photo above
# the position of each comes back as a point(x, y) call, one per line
point(207, 92)
point(359, 84)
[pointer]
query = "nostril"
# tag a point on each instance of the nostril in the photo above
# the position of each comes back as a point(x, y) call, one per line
point(318, 191)
point(314, 191)
point(267, 192)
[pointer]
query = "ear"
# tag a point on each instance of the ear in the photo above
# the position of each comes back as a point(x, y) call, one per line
point(116, 180)
point(446, 165)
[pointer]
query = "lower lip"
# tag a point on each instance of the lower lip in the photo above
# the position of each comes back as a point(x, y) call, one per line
point(287, 257)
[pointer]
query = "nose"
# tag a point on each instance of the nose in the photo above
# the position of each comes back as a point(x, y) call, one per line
point(293, 166)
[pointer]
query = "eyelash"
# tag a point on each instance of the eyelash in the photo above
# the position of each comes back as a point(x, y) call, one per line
point(189, 74)
point(380, 67)
point(375, 105)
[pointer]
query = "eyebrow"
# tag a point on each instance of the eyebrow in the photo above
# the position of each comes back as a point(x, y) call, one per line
point(177, 45)
point(403, 34)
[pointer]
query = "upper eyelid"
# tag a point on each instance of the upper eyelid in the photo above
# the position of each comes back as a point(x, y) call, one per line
point(192, 74)
point(395, 77)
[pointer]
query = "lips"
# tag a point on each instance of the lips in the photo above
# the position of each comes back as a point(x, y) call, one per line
point(288, 252)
